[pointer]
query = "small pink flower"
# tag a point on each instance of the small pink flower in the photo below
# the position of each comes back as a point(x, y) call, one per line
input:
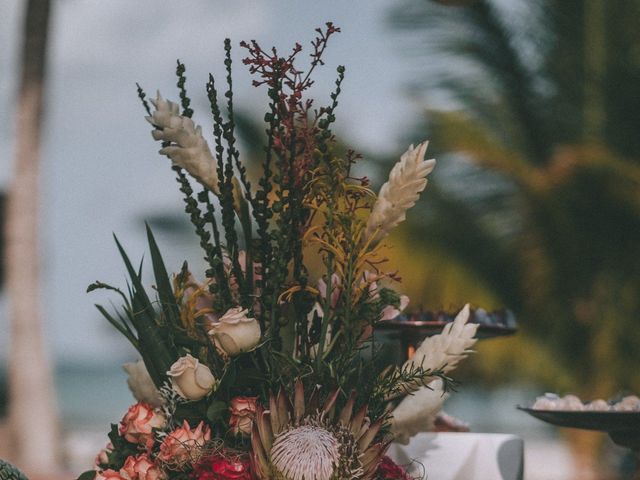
point(111, 475)
point(336, 289)
point(103, 456)
point(233, 281)
point(138, 424)
point(184, 443)
point(243, 413)
point(257, 266)
point(198, 298)
point(142, 468)
point(390, 312)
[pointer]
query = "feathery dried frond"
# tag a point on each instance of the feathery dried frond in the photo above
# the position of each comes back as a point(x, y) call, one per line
point(416, 413)
point(183, 142)
point(445, 350)
point(407, 179)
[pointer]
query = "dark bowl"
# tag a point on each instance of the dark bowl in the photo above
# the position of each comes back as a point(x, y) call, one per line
point(589, 420)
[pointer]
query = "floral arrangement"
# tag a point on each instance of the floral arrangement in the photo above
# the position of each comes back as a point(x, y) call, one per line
point(267, 368)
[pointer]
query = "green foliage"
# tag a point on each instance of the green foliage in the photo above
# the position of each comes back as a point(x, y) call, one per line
point(9, 472)
point(88, 475)
point(122, 449)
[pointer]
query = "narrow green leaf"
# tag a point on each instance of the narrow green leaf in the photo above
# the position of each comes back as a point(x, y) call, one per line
point(136, 279)
point(163, 284)
point(88, 475)
point(216, 410)
point(155, 347)
point(121, 328)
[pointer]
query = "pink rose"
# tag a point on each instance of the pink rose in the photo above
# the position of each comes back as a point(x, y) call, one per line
point(184, 444)
point(138, 424)
point(223, 466)
point(110, 475)
point(142, 468)
point(103, 456)
point(243, 413)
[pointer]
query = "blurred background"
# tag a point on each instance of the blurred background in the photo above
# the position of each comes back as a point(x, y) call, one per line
point(533, 112)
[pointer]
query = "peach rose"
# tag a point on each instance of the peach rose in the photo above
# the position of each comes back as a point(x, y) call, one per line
point(103, 456)
point(138, 424)
point(243, 413)
point(184, 444)
point(111, 475)
point(235, 332)
point(191, 379)
point(142, 468)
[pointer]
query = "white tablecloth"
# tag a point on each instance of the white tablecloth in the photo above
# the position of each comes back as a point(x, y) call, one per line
point(462, 456)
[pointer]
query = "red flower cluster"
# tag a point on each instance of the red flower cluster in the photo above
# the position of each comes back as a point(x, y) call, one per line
point(390, 470)
point(222, 467)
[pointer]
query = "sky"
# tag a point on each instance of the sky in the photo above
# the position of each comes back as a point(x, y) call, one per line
point(100, 169)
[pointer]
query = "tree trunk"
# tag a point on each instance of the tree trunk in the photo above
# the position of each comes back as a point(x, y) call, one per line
point(32, 407)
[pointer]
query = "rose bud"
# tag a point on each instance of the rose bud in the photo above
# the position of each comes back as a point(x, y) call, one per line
point(191, 379)
point(235, 332)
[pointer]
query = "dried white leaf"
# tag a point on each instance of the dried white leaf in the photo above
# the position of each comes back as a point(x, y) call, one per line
point(188, 148)
point(407, 179)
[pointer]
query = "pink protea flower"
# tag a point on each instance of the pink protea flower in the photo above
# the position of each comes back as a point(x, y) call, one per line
point(142, 468)
point(184, 445)
point(315, 441)
point(243, 413)
point(138, 424)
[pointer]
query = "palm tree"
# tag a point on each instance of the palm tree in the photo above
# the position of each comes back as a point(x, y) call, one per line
point(540, 200)
point(32, 413)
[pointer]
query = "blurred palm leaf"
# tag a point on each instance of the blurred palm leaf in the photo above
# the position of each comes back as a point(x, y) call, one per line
point(538, 190)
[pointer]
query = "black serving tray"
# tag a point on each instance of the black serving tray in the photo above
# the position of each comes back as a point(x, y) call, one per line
point(608, 421)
